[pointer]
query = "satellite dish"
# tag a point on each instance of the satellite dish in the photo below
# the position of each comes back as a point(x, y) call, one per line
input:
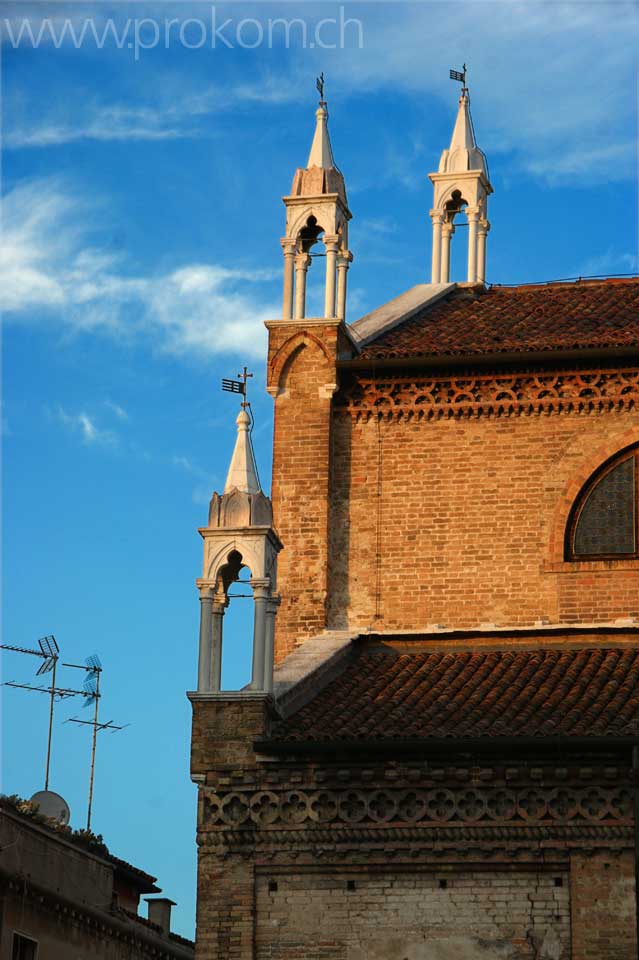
point(52, 805)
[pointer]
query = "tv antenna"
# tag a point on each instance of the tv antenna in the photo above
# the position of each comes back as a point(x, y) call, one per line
point(49, 651)
point(92, 695)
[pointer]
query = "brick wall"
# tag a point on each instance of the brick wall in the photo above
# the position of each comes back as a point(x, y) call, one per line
point(225, 907)
point(602, 891)
point(302, 379)
point(414, 916)
point(462, 514)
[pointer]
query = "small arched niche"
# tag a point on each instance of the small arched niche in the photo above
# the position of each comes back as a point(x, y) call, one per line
point(604, 522)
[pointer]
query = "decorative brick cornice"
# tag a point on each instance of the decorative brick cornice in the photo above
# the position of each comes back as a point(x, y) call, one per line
point(433, 807)
point(493, 394)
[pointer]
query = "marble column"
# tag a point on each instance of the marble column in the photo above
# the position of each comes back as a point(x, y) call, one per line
point(302, 263)
point(269, 647)
point(473, 217)
point(217, 622)
point(288, 247)
point(343, 262)
point(260, 600)
point(437, 219)
point(205, 651)
point(447, 232)
point(331, 244)
point(482, 230)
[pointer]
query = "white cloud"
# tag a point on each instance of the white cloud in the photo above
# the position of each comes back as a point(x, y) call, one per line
point(52, 269)
point(86, 426)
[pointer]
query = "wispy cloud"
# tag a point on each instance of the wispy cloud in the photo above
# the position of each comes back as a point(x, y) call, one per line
point(100, 123)
point(183, 463)
point(378, 226)
point(53, 269)
point(182, 116)
point(609, 262)
point(86, 426)
point(115, 408)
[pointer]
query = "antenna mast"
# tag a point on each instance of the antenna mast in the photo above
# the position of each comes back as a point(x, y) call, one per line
point(92, 694)
point(49, 652)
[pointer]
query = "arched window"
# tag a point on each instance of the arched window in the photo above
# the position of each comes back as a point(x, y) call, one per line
point(603, 523)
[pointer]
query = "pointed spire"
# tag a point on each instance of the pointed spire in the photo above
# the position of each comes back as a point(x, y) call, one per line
point(321, 175)
point(463, 153)
point(463, 135)
point(321, 154)
point(242, 473)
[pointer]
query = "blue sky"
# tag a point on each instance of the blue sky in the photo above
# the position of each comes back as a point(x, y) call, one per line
point(140, 256)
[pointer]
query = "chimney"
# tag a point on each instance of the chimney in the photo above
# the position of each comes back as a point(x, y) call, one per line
point(160, 912)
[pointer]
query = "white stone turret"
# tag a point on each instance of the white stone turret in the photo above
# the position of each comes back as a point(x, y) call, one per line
point(461, 185)
point(316, 211)
point(239, 535)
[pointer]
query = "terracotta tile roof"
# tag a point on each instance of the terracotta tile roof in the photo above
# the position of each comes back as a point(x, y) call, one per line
point(558, 316)
point(391, 693)
point(145, 881)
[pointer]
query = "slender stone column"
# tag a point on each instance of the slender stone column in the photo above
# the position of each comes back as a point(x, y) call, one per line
point(482, 230)
point(269, 648)
point(473, 217)
point(204, 659)
point(288, 247)
point(437, 219)
point(302, 263)
point(343, 262)
point(447, 232)
point(217, 622)
point(260, 599)
point(331, 243)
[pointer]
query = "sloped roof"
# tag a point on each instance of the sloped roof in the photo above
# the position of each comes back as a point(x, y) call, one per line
point(399, 691)
point(593, 314)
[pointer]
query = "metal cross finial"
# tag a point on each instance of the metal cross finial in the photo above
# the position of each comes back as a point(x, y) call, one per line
point(238, 386)
point(319, 83)
point(245, 375)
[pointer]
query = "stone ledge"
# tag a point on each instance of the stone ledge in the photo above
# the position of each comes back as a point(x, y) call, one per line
point(396, 311)
point(309, 668)
point(232, 695)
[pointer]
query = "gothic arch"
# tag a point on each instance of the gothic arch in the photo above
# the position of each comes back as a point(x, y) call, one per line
point(319, 212)
point(289, 350)
point(219, 559)
point(556, 534)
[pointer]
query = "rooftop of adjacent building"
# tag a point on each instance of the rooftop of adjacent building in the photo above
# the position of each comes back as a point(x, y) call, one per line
point(68, 848)
point(465, 319)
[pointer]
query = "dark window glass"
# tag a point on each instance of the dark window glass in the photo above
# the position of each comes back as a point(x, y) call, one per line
point(606, 518)
point(23, 948)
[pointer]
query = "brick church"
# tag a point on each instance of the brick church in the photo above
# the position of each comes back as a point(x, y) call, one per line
point(437, 757)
